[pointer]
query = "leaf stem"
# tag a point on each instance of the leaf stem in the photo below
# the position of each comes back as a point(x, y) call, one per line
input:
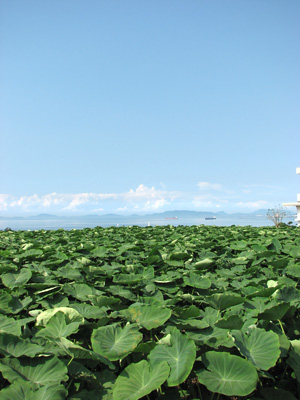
point(71, 381)
point(281, 327)
point(199, 390)
point(284, 372)
point(70, 361)
point(191, 387)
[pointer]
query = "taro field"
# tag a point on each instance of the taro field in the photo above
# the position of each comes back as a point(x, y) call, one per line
point(128, 313)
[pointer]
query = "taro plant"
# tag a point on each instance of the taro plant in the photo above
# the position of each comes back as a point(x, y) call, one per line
point(150, 313)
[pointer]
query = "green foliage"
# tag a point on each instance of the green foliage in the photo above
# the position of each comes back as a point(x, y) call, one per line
point(227, 374)
point(180, 355)
point(138, 380)
point(114, 342)
point(164, 312)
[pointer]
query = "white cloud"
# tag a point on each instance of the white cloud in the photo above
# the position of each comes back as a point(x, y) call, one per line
point(122, 209)
point(209, 196)
point(5, 200)
point(148, 198)
point(25, 201)
point(156, 204)
point(143, 198)
point(79, 199)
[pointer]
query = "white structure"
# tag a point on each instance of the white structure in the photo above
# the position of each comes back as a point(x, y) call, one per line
point(297, 204)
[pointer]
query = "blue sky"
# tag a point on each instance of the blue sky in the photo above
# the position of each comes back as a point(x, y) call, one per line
point(145, 106)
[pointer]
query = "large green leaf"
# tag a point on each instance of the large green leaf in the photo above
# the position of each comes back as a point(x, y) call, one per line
point(203, 264)
point(227, 374)
point(212, 336)
point(140, 379)
point(293, 270)
point(232, 322)
point(288, 294)
point(10, 325)
point(180, 355)
point(122, 292)
point(80, 291)
point(58, 326)
point(295, 251)
point(294, 358)
point(41, 371)
point(128, 279)
point(11, 345)
point(197, 281)
point(221, 301)
point(76, 351)
point(11, 304)
point(103, 301)
point(99, 251)
point(114, 342)
point(273, 313)
point(71, 315)
point(90, 312)
point(19, 390)
point(187, 318)
point(177, 255)
point(148, 316)
point(16, 279)
point(30, 254)
point(24, 390)
point(260, 347)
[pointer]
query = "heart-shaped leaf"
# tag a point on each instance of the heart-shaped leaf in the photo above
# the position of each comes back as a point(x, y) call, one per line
point(10, 325)
point(57, 327)
point(140, 379)
point(16, 279)
point(260, 347)
point(71, 315)
point(221, 301)
point(114, 342)
point(41, 371)
point(197, 281)
point(24, 390)
point(148, 316)
point(227, 374)
point(75, 351)
point(275, 312)
point(294, 358)
point(12, 345)
point(180, 355)
point(232, 322)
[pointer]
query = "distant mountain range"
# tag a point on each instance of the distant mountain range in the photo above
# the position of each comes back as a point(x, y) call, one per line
point(165, 214)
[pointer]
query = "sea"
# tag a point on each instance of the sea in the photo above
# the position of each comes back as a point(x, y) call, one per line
point(69, 223)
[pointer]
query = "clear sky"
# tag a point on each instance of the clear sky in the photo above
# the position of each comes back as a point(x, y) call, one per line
point(145, 106)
